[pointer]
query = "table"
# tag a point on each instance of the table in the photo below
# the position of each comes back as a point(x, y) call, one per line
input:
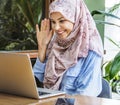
point(7, 99)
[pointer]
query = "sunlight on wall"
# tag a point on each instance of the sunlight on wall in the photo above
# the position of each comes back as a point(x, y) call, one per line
point(109, 3)
point(112, 32)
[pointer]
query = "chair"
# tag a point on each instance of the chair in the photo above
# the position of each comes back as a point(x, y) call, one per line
point(106, 90)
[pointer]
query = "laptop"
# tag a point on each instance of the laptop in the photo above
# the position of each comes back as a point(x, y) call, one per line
point(17, 77)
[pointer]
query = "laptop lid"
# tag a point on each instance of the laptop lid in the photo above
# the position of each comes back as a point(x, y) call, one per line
point(17, 77)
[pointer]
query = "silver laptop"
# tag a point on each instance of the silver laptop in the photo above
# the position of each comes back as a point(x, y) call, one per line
point(17, 77)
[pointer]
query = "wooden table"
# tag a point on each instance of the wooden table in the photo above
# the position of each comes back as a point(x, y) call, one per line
point(6, 99)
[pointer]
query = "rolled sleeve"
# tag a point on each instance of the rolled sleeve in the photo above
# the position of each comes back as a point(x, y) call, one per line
point(39, 69)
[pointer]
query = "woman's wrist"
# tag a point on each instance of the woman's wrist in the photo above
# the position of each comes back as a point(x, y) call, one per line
point(42, 53)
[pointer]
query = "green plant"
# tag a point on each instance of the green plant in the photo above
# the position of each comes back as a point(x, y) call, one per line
point(99, 12)
point(111, 68)
point(17, 23)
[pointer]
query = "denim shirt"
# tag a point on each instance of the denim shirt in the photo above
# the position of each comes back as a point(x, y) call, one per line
point(84, 78)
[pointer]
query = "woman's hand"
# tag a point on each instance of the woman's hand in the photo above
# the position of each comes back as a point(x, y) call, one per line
point(44, 35)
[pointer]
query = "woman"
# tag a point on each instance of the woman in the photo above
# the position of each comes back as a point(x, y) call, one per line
point(69, 55)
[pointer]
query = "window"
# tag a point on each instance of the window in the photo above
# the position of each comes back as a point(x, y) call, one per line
point(111, 31)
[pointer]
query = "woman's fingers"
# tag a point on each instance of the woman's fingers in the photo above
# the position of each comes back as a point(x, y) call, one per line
point(48, 24)
point(45, 25)
point(44, 34)
point(50, 34)
point(42, 24)
point(37, 28)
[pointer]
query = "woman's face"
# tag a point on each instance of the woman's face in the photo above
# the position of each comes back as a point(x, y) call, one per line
point(60, 25)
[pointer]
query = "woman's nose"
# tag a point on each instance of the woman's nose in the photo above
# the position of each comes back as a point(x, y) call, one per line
point(57, 26)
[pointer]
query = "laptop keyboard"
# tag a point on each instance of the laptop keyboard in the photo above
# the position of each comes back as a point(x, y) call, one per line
point(42, 93)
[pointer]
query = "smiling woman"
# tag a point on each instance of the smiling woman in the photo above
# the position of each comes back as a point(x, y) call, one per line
point(69, 58)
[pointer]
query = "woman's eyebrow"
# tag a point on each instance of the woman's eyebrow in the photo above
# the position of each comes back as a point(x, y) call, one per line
point(58, 18)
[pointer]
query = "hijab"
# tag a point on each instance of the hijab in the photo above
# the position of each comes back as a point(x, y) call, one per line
point(64, 53)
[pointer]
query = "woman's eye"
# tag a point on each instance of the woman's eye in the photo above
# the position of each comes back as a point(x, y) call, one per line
point(53, 22)
point(62, 21)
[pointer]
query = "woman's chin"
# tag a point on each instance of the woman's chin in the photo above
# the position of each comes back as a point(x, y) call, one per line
point(62, 36)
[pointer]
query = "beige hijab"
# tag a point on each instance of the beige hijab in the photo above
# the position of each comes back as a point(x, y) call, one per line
point(63, 54)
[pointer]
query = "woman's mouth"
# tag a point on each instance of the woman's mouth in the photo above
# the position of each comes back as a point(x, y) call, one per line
point(60, 32)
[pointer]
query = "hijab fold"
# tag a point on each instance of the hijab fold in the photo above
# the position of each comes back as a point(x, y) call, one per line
point(64, 53)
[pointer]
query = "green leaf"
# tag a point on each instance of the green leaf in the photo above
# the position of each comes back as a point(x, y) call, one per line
point(96, 12)
point(115, 67)
point(107, 67)
point(25, 7)
point(105, 22)
point(113, 42)
point(113, 8)
point(32, 11)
